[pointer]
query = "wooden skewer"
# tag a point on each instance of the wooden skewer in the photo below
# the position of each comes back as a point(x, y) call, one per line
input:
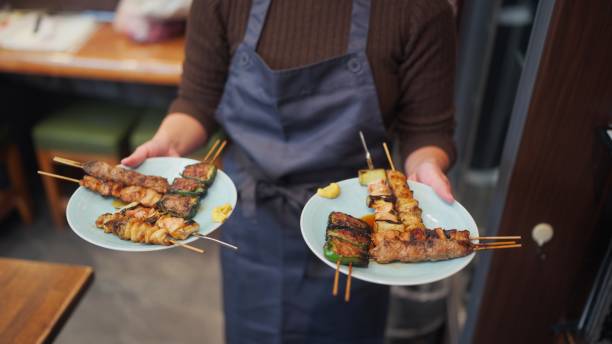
point(215, 240)
point(497, 243)
point(496, 247)
point(68, 162)
point(189, 247)
point(219, 151)
point(516, 237)
point(347, 291)
point(336, 277)
point(212, 149)
point(59, 177)
point(389, 156)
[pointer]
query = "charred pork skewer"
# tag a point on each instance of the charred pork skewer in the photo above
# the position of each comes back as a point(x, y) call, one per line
point(431, 249)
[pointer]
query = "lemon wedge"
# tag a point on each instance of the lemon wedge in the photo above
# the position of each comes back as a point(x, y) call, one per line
point(221, 213)
point(330, 191)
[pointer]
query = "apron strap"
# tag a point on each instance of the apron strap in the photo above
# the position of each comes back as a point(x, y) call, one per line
point(358, 37)
point(257, 19)
point(360, 23)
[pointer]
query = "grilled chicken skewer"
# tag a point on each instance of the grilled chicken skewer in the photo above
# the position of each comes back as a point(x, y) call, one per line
point(104, 171)
point(128, 194)
point(146, 225)
point(405, 204)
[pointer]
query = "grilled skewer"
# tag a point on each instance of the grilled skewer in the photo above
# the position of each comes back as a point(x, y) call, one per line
point(348, 240)
point(405, 203)
point(104, 171)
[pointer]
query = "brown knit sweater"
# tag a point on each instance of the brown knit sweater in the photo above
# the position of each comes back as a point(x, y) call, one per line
point(411, 49)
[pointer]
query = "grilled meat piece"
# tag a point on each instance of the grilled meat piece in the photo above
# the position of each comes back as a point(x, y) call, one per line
point(412, 251)
point(104, 188)
point(104, 171)
point(146, 225)
point(144, 196)
point(187, 187)
point(405, 204)
point(178, 205)
point(128, 194)
point(203, 172)
point(341, 220)
point(133, 229)
point(348, 240)
point(178, 227)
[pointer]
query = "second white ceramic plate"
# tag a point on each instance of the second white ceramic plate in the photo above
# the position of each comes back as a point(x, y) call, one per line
point(352, 200)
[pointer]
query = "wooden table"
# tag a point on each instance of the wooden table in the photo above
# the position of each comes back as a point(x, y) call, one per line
point(107, 55)
point(36, 298)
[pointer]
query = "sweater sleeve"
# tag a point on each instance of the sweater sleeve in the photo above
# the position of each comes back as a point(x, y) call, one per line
point(426, 111)
point(205, 66)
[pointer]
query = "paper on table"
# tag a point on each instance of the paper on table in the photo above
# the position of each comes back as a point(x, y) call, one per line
point(55, 33)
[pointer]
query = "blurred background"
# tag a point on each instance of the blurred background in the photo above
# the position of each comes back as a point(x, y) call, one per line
point(93, 79)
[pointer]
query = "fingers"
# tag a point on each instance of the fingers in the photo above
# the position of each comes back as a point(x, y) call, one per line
point(137, 157)
point(433, 176)
point(442, 187)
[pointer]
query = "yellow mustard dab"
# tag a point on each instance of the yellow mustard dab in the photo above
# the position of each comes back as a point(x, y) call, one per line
point(330, 191)
point(221, 213)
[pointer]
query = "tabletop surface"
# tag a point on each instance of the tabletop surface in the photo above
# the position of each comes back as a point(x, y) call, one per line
point(36, 298)
point(106, 55)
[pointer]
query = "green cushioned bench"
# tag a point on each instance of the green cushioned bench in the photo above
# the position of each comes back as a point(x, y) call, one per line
point(88, 127)
point(86, 130)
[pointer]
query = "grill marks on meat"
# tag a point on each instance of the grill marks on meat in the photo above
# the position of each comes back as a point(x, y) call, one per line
point(104, 171)
point(399, 232)
point(178, 205)
point(185, 184)
point(412, 251)
point(127, 194)
point(347, 239)
point(405, 204)
point(146, 225)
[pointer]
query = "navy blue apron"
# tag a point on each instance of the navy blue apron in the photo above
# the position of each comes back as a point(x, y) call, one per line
point(291, 131)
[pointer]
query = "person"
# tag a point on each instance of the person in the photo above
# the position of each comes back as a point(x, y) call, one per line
point(292, 83)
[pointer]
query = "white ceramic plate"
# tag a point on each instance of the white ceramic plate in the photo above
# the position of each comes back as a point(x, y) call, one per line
point(352, 200)
point(85, 206)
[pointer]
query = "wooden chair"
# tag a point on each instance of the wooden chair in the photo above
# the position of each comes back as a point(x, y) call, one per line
point(16, 196)
point(83, 131)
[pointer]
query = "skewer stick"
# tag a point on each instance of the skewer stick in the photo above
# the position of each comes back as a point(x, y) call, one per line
point(68, 162)
point(497, 243)
point(215, 240)
point(212, 149)
point(516, 237)
point(389, 156)
point(59, 177)
point(347, 291)
point(367, 151)
point(496, 247)
point(336, 277)
point(189, 247)
point(219, 151)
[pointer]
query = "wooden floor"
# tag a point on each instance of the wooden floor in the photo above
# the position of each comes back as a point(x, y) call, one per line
point(169, 297)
